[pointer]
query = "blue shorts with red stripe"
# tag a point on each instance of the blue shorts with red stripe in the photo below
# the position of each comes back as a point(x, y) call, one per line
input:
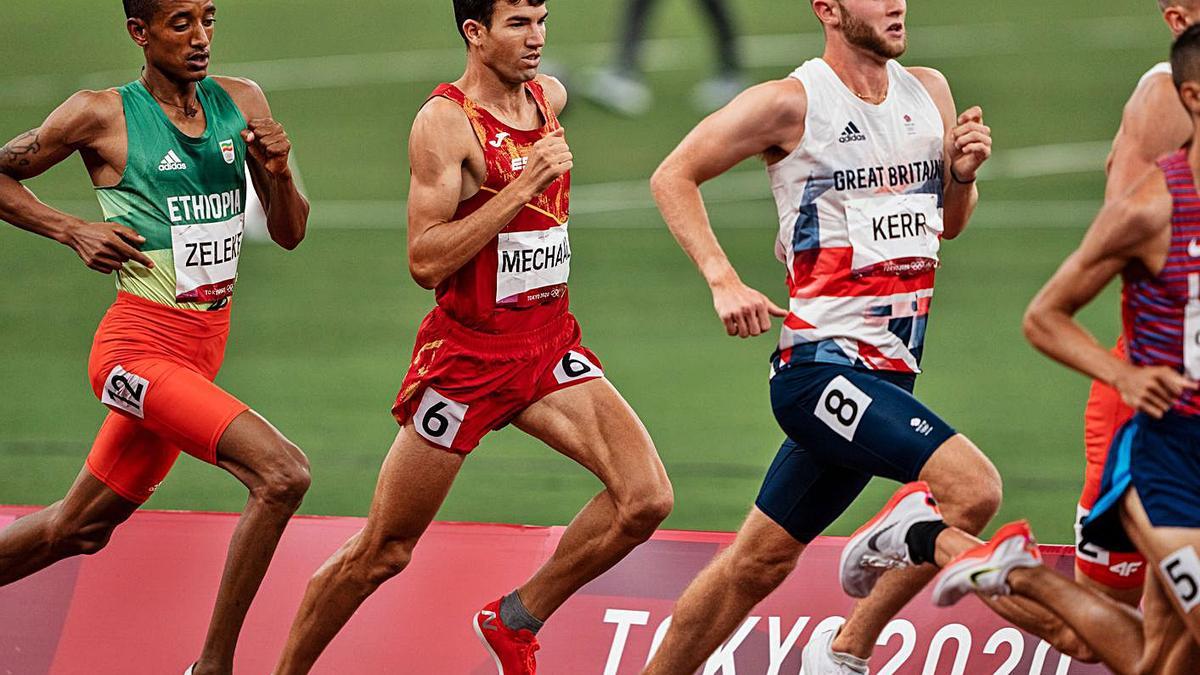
point(844, 426)
point(1161, 460)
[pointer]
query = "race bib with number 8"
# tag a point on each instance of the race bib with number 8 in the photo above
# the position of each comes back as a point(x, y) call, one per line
point(841, 407)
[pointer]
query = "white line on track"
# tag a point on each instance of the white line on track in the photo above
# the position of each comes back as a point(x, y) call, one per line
point(752, 186)
point(662, 55)
point(745, 186)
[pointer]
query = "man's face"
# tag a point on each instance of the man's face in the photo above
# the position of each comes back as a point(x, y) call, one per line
point(512, 46)
point(876, 26)
point(177, 39)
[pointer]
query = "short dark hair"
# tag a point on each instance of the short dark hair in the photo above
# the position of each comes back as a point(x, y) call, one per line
point(478, 10)
point(140, 9)
point(1185, 56)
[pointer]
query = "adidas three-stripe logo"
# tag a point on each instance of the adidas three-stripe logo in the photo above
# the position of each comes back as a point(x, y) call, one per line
point(851, 133)
point(171, 162)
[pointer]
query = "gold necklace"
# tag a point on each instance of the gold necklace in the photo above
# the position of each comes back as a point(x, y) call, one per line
point(189, 110)
point(875, 100)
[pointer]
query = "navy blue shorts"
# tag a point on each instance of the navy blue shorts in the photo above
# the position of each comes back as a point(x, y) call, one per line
point(1161, 460)
point(844, 425)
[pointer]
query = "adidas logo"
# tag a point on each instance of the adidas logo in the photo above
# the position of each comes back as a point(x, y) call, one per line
point(851, 134)
point(172, 163)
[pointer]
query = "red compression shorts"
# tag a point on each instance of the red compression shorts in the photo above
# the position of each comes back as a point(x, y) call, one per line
point(1106, 414)
point(462, 383)
point(154, 366)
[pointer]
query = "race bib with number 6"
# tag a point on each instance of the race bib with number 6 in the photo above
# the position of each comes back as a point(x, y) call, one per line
point(575, 366)
point(438, 419)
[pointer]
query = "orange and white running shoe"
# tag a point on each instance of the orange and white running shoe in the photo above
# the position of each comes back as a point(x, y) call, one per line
point(984, 569)
point(512, 650)
point(880, 544)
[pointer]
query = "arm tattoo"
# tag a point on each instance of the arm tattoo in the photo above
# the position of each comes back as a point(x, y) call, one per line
point(19, 150)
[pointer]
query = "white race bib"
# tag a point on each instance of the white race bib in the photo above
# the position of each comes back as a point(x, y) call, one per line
point(1191, 329)
point(529, 262)
point(894, 234)
point(206, 259)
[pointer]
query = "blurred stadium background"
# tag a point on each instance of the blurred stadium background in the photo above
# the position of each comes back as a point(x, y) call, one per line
point(322, 336)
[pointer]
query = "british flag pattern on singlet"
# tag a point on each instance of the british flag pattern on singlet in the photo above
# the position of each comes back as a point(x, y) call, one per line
point(1162, 313)
point(860, 223)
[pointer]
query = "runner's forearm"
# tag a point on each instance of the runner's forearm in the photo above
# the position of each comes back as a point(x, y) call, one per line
point(443, 248)
point(20, 207)
point(287, 212)
point(957, 206)
point(1056, 334)
point(682, 207)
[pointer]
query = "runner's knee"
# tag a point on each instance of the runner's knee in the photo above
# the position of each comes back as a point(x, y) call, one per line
point(969, 491)
point(71, 538)
point(641, 515)
point(1066, 641)
point(287, 479)
point(380, 560)
point(975, 511)
point(758, 573)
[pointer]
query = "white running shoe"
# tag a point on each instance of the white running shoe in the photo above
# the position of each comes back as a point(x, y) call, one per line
point(818, 657)
point(984, 569)
point(880, 544)
point(619, 92)
point(715, 93)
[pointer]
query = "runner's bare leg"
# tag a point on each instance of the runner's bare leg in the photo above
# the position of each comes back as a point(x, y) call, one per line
point(414, 481)
point(593, 425)
point(1157, 544)
point(716, 602)
point(968, 489)
point(276, 473)
point(80, 524)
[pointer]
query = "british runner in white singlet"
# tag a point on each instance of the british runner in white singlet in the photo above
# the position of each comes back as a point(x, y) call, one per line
point(871, 168)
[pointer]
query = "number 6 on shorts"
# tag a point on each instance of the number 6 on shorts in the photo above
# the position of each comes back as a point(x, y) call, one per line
point(575, 366)
point(438, 418)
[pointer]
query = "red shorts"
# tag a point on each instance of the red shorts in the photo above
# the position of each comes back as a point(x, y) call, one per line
point(462, 383)
point(154, 366)
point(1106, 414)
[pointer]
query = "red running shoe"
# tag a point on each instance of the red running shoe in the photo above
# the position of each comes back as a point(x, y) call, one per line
point(512, 650)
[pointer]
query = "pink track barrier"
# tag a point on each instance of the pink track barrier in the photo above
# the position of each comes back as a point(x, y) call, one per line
point(141, 607)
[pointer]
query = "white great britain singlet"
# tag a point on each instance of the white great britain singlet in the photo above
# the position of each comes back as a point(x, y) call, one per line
point(860, 223)
point(1163, 68)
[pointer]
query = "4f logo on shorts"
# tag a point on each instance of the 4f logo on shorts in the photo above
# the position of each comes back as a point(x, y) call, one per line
point(126, 392)
point(841, 406)
point(575, 366)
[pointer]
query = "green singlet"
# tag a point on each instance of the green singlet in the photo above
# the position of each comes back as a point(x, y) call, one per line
point(185, 195)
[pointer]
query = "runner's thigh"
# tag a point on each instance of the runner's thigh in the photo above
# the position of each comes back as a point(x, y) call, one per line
point(592, 424)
